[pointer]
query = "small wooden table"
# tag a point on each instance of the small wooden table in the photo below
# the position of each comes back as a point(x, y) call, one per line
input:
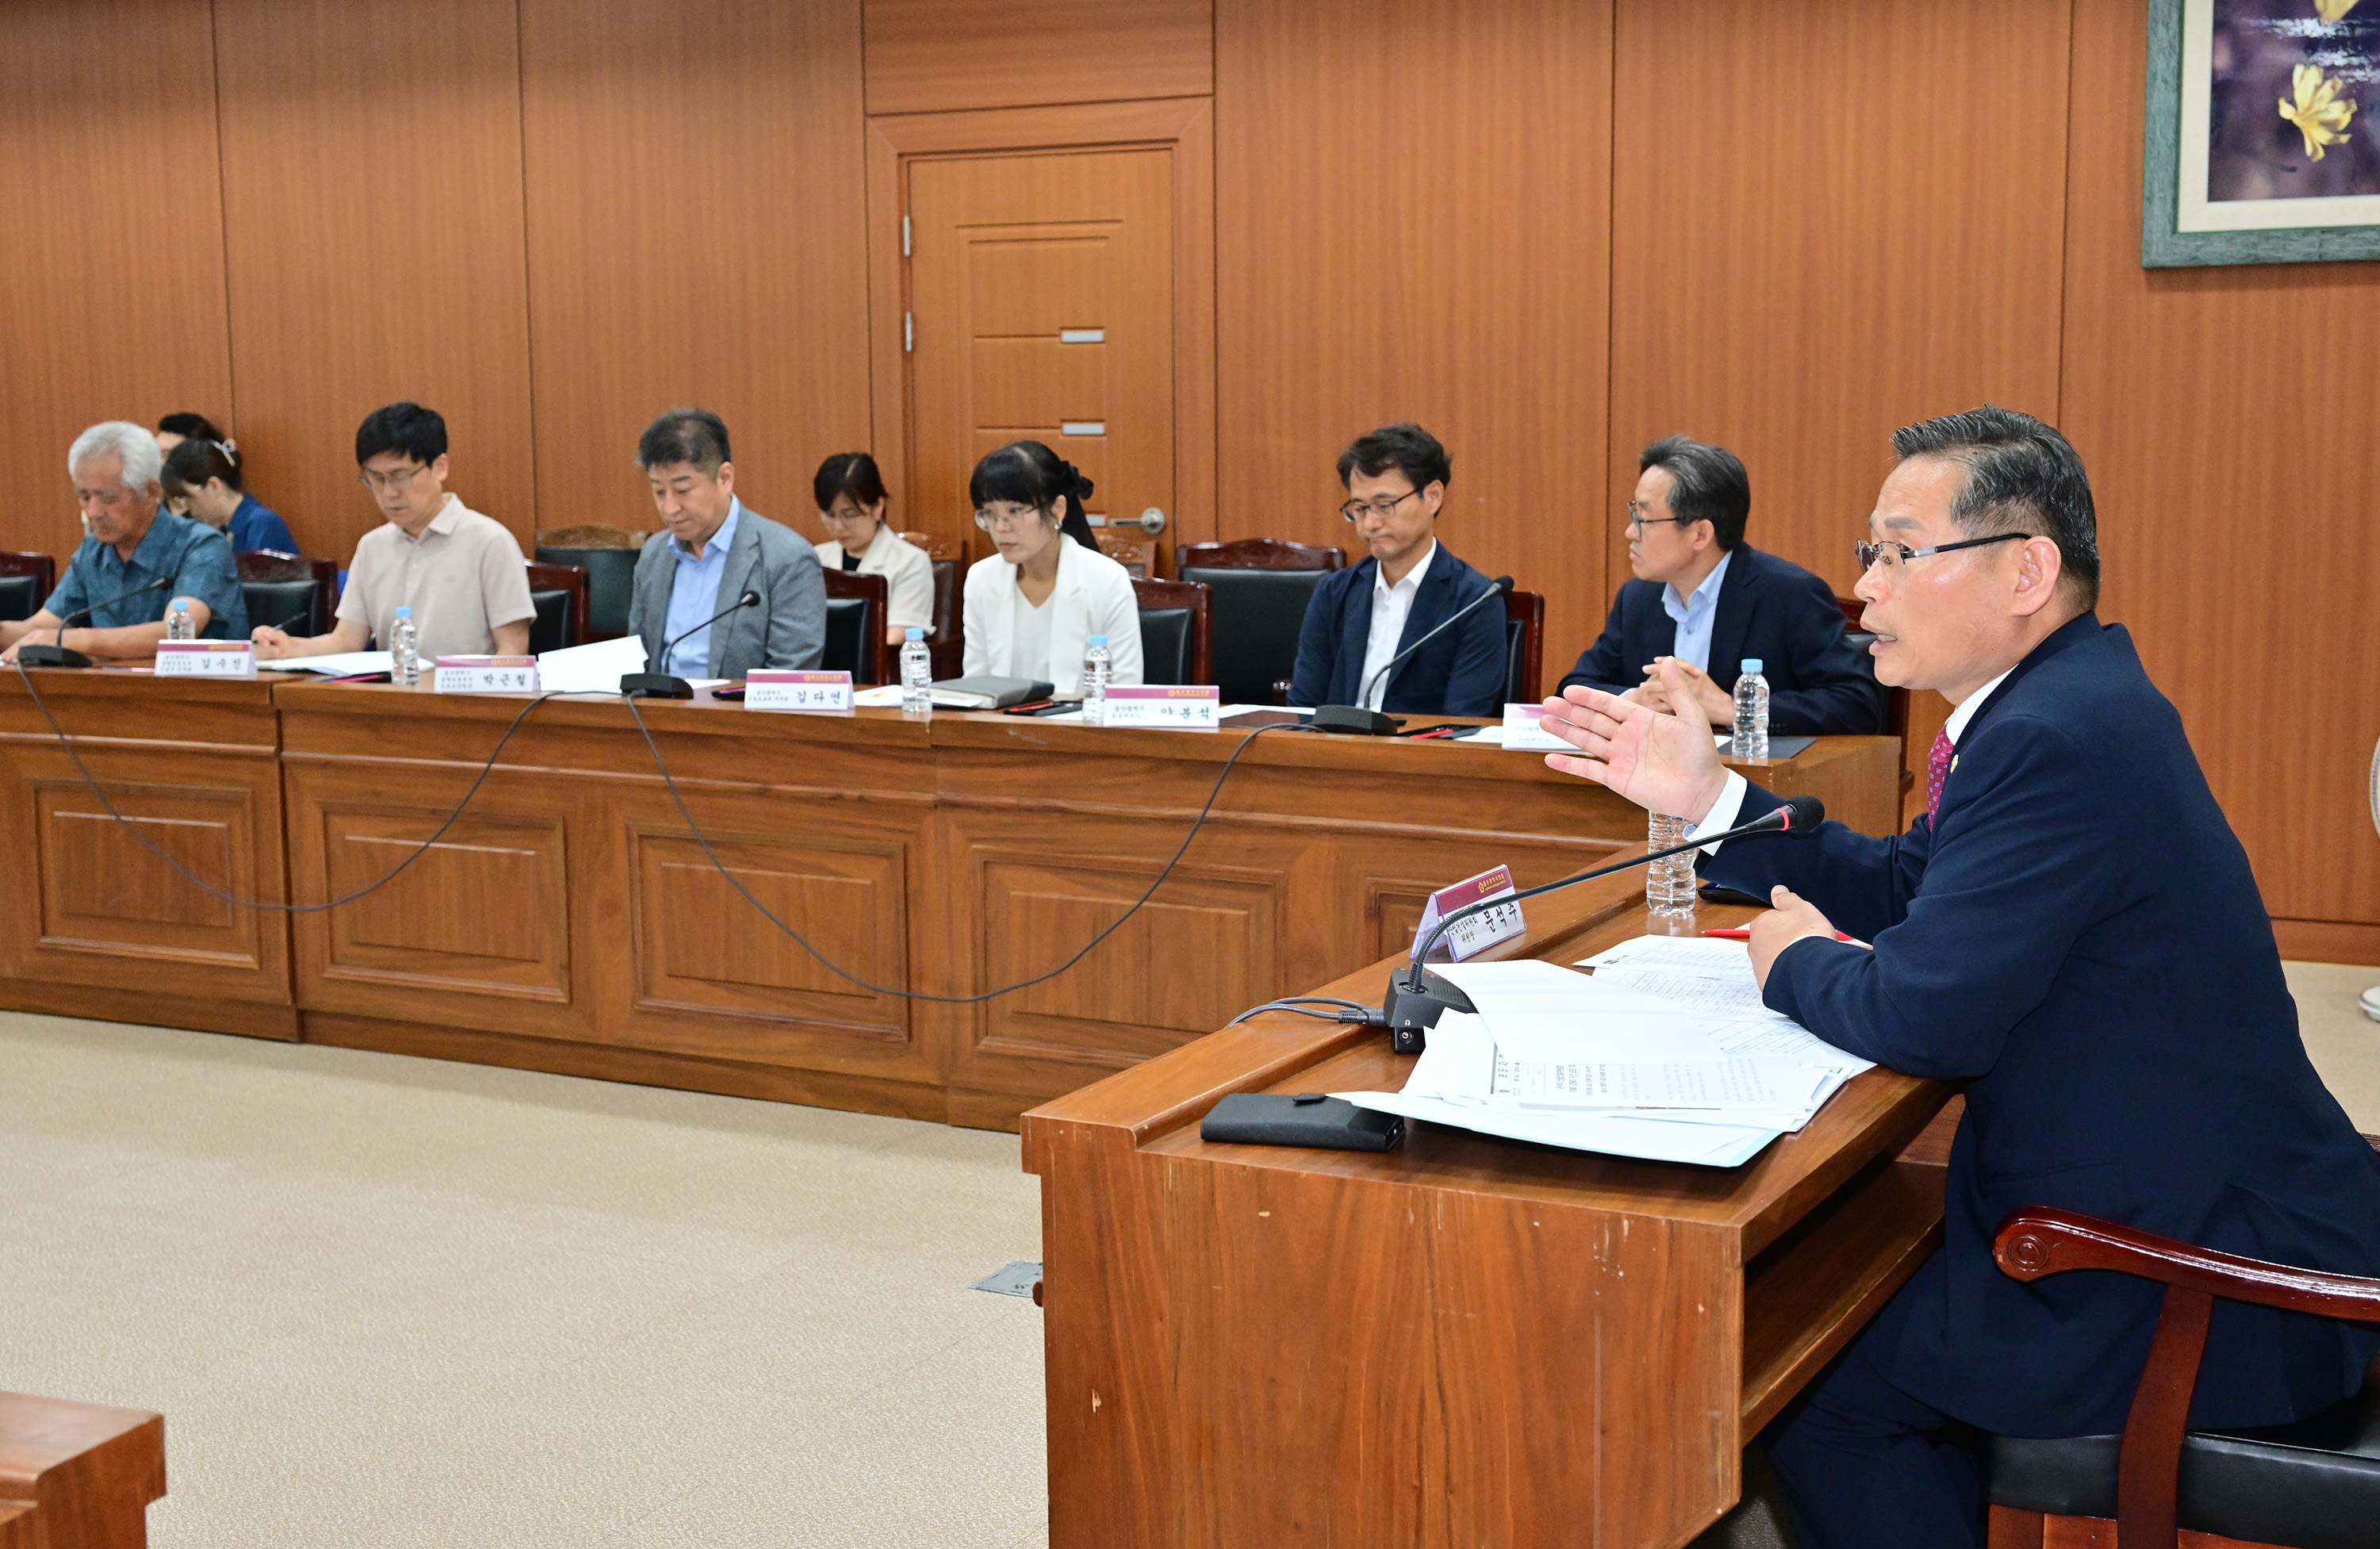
point(77, 1476)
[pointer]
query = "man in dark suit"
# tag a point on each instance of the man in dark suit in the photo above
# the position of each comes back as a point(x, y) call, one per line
point(1358, 620)
point(1708, 599)
point(2073, 930)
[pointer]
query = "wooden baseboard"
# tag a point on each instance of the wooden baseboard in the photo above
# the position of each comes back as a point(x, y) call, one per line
point(775, 1083)
point(2329, 941)
point(972, 1110)
point(147, 1009)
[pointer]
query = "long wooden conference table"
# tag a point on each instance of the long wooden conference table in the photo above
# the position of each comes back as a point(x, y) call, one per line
point(568, 920)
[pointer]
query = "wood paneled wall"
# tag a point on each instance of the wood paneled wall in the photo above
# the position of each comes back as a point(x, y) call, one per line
point(1548, 231)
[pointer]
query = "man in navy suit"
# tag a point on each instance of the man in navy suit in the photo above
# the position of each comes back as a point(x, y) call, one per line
point(1708, 599)
point(2074, 931)
point(1358, 620)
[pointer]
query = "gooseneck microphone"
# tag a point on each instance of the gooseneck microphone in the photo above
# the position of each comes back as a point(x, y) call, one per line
point(664, 686)
point(1358, 719)
point(1416, 995)
point(55, 653)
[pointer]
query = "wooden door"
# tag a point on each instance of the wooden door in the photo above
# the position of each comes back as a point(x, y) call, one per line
point(1041, 307)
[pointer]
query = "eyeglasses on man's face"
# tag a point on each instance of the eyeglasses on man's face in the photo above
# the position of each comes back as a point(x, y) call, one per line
point(1006, 518)
point(1893, 556)
point(1355, 510)
point(376, 482)
point(1639, 518)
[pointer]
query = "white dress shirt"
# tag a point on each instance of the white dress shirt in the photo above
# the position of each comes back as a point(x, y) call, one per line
point(1390, 607)
point(1695, 615)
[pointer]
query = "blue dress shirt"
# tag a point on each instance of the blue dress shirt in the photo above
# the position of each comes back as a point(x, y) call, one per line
point(694, 596)
point(193, 555)
point(1695, 614)
point(257, 526)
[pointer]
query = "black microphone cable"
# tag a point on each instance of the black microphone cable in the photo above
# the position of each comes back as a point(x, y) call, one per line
point(700, 837)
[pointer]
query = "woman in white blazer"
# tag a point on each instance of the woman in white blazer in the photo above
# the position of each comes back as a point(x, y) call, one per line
point(850, 495)
point(1032, 608)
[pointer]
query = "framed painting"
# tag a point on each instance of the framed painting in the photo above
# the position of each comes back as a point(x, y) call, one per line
point(2264, 132)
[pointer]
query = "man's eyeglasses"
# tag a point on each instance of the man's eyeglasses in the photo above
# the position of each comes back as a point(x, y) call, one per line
point(1893, 556)
point(1638, 521)
point(376, 482)
point(1006, 520)
point(1355, 510)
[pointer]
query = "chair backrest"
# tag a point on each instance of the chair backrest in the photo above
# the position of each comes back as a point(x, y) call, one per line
point(937, 548)
point(1895, 700)
point(1176, 631)
point(1525, 646)
point(25, 582)
point(1257, 553)
point(1138, 555)
point(948, 641)
point(855, 610)
point(1255, 618)
point(592, 534)
point(273, 582)
point(560, 593)
point(610, 582)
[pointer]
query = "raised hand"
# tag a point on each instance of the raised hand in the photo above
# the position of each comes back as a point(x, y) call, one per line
point(1661, 762)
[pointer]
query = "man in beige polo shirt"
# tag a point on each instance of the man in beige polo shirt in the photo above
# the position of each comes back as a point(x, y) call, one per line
point(461, 572)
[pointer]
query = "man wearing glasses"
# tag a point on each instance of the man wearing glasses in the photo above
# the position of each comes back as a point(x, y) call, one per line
point(1708, 600)
point(2074, 931)
point(1359, 619)
point(460, 572)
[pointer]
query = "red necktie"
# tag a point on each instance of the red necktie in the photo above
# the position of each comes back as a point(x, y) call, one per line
point(1938, 764)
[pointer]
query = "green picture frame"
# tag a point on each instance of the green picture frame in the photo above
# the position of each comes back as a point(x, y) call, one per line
point(2163, 244)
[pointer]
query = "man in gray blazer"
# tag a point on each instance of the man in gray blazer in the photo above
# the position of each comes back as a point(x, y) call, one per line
point(713, 552)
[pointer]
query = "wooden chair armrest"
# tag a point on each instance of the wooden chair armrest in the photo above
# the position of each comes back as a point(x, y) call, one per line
point(2045, 1240)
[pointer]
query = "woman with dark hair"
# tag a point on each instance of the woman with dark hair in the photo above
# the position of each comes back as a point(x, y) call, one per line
point(175, 428)
point(1033, 607)
point(850, 495)
point(202, 479)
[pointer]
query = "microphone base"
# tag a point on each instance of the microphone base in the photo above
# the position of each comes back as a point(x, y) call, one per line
point(51, 656)
point(655, 686)
point(1348, 721)
point(1412, 1008)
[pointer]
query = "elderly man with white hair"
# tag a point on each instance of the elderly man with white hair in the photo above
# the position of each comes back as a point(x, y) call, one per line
point(135, 562)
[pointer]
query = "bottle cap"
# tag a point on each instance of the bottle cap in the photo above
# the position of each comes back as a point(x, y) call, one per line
point(1751, 664)
point(405, 613)
point(1098, 640)
point(914, 632)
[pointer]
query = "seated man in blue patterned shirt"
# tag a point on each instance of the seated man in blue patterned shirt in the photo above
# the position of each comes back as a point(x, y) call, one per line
point(132, 544)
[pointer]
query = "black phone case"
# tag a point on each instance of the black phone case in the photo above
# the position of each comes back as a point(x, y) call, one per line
point(1300, 1119)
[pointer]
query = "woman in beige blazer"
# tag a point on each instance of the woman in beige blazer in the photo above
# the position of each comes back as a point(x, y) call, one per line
point(1032, 607)
point(850, 495)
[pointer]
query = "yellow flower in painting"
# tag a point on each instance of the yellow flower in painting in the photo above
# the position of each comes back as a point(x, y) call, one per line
point(2333, 11)
point(2320, 116)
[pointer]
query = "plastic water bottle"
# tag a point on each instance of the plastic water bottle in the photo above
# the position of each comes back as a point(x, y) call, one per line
point(916, 676)
point(1669, 885)
point(404, 650)
point(1095, 681)
point(1751, 712)
point(178, 624)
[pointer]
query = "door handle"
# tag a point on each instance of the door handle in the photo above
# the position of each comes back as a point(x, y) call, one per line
point(1151, 521)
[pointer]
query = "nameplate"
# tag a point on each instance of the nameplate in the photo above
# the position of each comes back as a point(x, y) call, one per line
point(1179, 707)
point(205, 659)
point(1481, 931)
point(485, 674)
point(774, 689)
point(1522, 732)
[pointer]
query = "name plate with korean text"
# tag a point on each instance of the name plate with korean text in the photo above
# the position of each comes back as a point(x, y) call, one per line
point(205, 659)
point(486, 675)
point(773, 688)
point(1176, 706)
point(1476, 933)
point(1523, 733)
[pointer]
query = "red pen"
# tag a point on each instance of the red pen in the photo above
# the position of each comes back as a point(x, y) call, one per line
point(1739, 933)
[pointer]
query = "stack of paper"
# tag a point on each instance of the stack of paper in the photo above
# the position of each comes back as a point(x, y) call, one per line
point(1666, 1053)
point(346, 664)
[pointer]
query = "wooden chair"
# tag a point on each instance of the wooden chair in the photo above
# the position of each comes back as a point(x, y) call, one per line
point(560, 593)
point(296, 593)
point(1261, 587)
point(2314, 1485)
point(1138, 555)
point(1175, 631)
point(1525, 637)
point(1895, 700)
point(947, 642)
point(855, 609)
point(25, 582)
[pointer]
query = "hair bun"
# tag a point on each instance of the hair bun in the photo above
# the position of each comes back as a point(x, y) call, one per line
point(1076, 485)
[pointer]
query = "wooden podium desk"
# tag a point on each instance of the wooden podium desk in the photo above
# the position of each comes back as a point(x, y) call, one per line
point(1462, 1341)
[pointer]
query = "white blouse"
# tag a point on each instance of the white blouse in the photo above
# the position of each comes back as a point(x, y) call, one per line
point(908, 572)
point(1093, 596)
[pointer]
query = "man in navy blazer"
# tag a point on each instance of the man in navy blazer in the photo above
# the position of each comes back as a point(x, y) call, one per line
point(1709, 599)
point(2072, 930)
point(1358, 620)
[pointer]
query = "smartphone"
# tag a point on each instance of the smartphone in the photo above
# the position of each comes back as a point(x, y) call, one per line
point(1045, 707)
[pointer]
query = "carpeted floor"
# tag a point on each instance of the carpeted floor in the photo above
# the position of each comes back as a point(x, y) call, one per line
point(386, 1301)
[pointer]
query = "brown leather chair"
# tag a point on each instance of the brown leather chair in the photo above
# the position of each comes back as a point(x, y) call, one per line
point(25, 582)
point(1261, 587)
point(1895, 700)
point(2314, 1485)
point(295, 593)
point(856, 606)
point(1175, 631)
point(947, 642)
point(1524, 633)
point(560, 593)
